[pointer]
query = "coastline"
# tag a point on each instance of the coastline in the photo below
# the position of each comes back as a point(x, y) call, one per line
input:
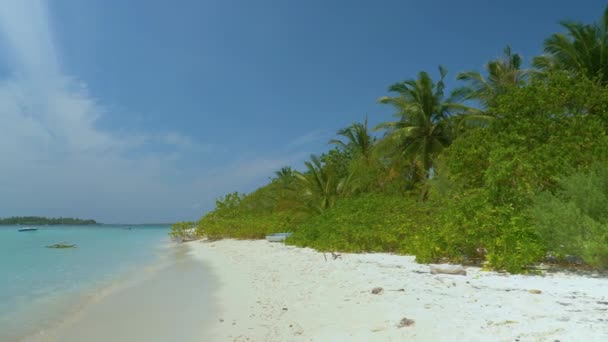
point(42, 287)
point(243, 290)
point(163, 301)
point(273, 292)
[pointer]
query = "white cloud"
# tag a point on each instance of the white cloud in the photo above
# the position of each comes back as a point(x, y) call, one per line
point(54, 160)
point(183, 141)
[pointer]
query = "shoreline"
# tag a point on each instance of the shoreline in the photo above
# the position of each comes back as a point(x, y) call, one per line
point(43, 287)
point(140, 305)
point(273, 292)
point(253, 290)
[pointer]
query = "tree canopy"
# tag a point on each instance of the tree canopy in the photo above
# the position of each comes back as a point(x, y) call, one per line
point(435, 186)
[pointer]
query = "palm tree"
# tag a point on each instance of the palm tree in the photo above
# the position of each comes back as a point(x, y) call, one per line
point(357, 137)
point(285, 172)
point(423, 127)
point(582, 49)
point(320, 187)
point(502, 74)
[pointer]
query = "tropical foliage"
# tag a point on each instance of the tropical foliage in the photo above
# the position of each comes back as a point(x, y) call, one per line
point(502, 74)
point(422, 129)
point(582, 49)
point(529, 182)
point(574, 219)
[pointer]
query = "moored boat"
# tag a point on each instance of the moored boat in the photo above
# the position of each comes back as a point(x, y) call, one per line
point(27, 229)
point(277, 237)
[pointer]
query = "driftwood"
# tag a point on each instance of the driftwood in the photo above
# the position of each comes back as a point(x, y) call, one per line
point(448, 269)
point(334, 256)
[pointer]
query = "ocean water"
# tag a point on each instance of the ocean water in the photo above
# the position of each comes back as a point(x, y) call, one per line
point(39, 285)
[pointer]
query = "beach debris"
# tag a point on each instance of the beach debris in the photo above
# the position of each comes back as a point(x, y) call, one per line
point(405, 322)
point(502, 322)
point(377, 290)
point(534, 291)
point(61, 245)
point(377, 329)
point(448, 269)
point(334, 256)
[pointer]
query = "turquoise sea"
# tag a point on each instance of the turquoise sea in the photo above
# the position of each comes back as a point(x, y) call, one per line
point(39, 285)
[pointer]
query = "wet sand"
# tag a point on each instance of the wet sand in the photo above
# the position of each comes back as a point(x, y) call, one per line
point(167, 302)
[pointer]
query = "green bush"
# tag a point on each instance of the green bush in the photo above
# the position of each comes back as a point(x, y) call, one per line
point(245, 226)
point(366, 223)
point(183, 231)
point(544, 130)
point(574, 220)
point(270, 209)
point(461, 228)
point(467, 228)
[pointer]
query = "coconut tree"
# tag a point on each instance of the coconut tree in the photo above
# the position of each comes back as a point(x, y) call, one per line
point(423, 126)
point(319, 186)
point(285, 172)
point(502, 74)
point(581, 49)
point(357, 137)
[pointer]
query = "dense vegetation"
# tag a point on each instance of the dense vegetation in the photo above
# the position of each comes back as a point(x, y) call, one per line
point(517, 177)
point(36, 220)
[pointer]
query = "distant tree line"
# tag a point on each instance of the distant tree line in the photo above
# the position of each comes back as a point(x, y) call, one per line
point(44, 220)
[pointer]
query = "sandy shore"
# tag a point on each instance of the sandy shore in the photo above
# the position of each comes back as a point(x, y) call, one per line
point(272, 292)
point(168, 301)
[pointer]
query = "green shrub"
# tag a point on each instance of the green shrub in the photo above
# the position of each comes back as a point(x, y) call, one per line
point(245, 225)
point(183, 231)
point(267, 210)
point(366, 223)
point(462, 228)
point(574, 220)
point(467, 228)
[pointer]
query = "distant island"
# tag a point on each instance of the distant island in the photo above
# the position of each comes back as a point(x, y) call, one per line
point(36, 220)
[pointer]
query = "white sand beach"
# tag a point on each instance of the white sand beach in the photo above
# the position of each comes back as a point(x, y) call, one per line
point(272, 292)
point(233, 290)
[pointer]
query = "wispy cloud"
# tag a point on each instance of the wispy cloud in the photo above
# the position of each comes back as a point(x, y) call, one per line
point(56, 160)
point(313, 137)
point(183, 141)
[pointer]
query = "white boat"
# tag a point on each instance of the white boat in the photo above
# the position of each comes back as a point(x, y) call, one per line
point(27, 229)
point(278, 237)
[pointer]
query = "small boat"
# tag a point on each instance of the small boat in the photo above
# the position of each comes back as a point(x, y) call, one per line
point(277, 237)
point(27, 229)
point(61, 245)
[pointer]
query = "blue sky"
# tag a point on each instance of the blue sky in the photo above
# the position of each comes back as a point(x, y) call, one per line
point(146, 111)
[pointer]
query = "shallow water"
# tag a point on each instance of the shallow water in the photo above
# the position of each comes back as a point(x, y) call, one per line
point(170, 301)
point(39, 285)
